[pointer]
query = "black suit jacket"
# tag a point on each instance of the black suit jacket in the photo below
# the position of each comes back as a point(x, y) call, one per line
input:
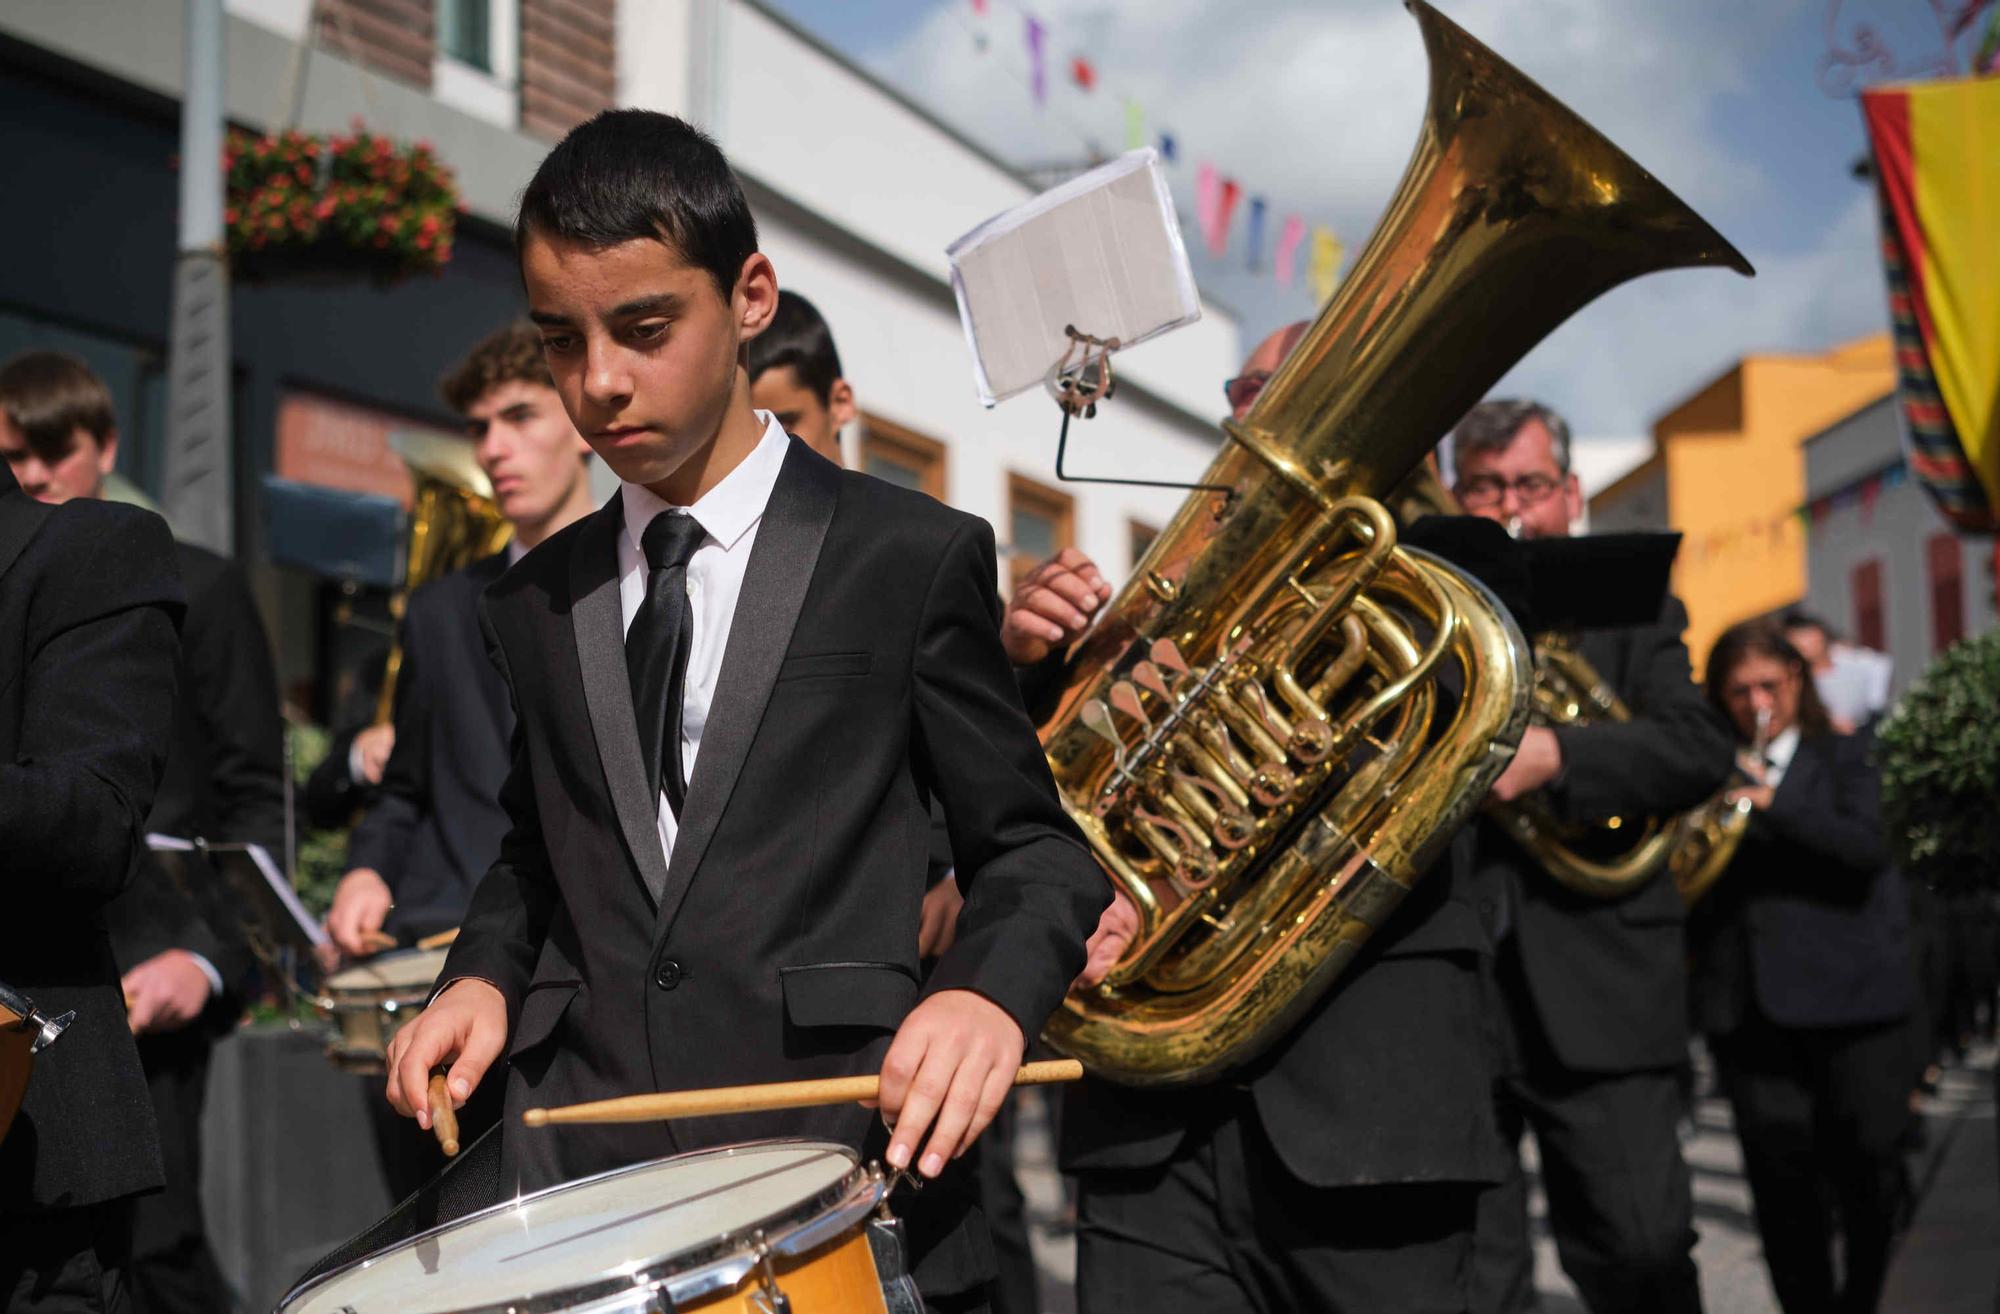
point(89, 605)
point(1607, 978)
point(224, 781)
point(863, 675)
point(1388, 1078)
point(1810, 926)
point(436, 822)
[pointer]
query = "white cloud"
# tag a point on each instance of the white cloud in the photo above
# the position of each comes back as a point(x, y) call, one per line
point(1317, 105)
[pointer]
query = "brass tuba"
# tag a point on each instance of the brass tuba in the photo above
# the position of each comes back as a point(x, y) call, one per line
point(1284, 715)
point(454, 521)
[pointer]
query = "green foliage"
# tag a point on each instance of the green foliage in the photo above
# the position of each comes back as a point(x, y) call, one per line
point(322, 853)
point(1940, 757)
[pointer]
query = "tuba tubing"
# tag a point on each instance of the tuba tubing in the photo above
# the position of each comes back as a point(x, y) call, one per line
point(1282, 716)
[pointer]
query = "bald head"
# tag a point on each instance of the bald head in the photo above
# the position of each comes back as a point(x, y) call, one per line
point(1261, 364)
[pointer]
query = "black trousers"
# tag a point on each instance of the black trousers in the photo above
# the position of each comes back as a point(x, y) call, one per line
point(67, 1261)
point(1014, 1290)
point(1621, 1199)
point(1224, 1225)
point(1820, 1113)
point(173, 1270)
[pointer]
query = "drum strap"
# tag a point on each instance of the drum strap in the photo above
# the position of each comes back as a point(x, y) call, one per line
point(467, 1183)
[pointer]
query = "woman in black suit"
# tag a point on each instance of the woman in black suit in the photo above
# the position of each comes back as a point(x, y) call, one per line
point(1803, 982)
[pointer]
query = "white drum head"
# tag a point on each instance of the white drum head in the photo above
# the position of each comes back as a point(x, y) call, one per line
point(621, 1225)
point(411, 969)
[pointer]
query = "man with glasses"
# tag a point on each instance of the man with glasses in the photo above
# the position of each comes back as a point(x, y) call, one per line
point(1592, 991)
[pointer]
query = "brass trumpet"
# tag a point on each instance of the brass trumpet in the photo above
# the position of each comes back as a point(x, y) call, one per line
point(1284, 715)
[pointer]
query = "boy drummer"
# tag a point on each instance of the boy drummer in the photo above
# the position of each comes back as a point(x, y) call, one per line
point(736, 687)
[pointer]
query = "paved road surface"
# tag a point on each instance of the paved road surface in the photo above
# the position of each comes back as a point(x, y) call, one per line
point(1733, 1280)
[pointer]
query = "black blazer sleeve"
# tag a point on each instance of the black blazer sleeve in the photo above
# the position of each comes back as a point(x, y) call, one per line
point(381, 838)
point(1673, 753)
point(232, 686)
point(512, 904)
point(1033, 892)
point(331, 794)
point(96, 697)
point(1833, 814)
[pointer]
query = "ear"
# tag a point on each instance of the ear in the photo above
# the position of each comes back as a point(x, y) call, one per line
point(756, 298)
point(840, 403)
point(107, 452)
point(1573, 497)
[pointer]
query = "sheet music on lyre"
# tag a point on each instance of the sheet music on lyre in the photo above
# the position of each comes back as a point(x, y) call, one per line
point(1101, 253)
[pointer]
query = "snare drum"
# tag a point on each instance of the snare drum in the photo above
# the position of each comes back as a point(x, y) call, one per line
point(758, 1228)
point(369, 1003)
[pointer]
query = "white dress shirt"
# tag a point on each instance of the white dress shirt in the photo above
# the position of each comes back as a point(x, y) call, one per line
point(729, 513)
point(1778, 756)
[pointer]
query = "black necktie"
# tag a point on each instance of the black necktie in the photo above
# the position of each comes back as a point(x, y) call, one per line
point(656, 650)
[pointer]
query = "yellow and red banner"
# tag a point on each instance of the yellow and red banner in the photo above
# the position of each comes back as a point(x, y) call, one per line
point(1937, 163)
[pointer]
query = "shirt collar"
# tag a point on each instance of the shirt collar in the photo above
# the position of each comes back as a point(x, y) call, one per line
point(1779, 751)
point(728, 510)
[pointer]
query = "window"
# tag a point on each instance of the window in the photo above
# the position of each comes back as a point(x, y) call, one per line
point(1871, 629)
point(1040, 523)
point(902, 456)
point(1943, 567)
point(465, 32)
point(1140, 536)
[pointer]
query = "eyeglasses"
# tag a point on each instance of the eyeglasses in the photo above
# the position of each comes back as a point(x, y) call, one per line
point(1490, 490)
point(1244, 388)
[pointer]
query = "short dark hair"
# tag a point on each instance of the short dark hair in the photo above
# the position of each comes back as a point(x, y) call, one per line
point(630, 174)
point(798, 337)
point(1491, 426)
point(49, 395)
point(512, 354)
point(1762, 637)
point(1798, 618)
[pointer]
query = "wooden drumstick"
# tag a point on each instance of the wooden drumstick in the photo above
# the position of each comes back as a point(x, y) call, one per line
point(375, 942)
point(438, 941)
point(443, 1121)
point(757, 1099)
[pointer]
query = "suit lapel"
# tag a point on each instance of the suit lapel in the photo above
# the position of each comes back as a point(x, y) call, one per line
point(598, 623)
point(774, 589)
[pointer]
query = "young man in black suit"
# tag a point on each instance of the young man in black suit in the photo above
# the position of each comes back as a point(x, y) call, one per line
point(436, 822)
point(795, 374)
point(185, 961)
point(89, 607)
point(736, 688)
point(1803, 982)
point(1341, 1170)
point(1592, 992)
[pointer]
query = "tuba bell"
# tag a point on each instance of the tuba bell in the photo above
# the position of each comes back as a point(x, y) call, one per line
point(1284, 715)
point(454, 521)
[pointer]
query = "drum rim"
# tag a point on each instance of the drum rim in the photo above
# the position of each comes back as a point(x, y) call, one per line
point(16, 1003)
point(709, 1266)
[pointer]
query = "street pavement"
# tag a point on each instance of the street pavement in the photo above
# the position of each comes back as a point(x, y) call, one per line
point(1952, 1206)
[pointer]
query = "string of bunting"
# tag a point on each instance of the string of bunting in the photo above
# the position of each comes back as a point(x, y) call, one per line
point(1218, 197)
point(1862, 494)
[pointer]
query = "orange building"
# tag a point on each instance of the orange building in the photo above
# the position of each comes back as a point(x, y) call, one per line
point(1728, 472)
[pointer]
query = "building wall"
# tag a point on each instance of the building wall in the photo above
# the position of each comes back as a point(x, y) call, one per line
point(1635, 502)
point(1735, 475)
point(1896, 530)
point(568, 63)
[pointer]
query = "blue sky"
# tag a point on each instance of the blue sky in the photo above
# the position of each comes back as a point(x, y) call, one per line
point(1315, 104)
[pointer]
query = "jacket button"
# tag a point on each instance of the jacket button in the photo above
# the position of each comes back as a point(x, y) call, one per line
point(667, 975)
